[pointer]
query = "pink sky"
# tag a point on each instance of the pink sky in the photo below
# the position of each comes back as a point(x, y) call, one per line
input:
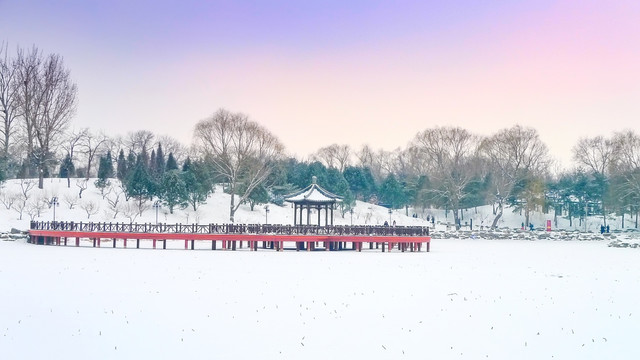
point(364, 73)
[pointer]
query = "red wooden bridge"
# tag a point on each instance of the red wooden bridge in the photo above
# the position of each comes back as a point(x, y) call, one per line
point(232, 236)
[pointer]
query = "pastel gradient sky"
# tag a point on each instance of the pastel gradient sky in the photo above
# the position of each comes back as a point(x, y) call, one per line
point(357, 72)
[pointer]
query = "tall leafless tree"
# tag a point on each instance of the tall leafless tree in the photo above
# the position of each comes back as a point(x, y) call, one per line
point(626, 165)
point(140, 141)
point(72, 141)
point(28, 89)
point(175, 147)
point(336, 156)
point(8, 98)
point(91, 145)
point(597, 155)
point(240, 150)
point(47, 101)
point(451, 154)
point(513, 155)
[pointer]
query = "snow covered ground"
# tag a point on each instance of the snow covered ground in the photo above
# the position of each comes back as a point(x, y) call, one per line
point(468, 298)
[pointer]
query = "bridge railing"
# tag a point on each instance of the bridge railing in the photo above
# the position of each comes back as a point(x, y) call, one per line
point(274, 229)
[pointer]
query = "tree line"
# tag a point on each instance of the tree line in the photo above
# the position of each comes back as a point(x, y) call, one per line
point(443, 167)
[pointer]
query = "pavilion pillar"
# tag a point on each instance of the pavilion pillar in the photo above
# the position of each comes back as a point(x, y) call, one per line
point(326, 215)
point(332, 215)
point(301, 208)
point(308, 214)
point(295, 211)
point(318, 208)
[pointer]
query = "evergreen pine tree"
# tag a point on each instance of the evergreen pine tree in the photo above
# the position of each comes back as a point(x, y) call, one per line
point(108, 163)
point(139, 184)
point(160, 163)
point(171, 163)
point(186, 166)
point(152, 165)
point(67, 169)
point(173, 191)
point(131, 163)
point(122, 166)
point(105, 172)
point(198, 183)
point(392, 193)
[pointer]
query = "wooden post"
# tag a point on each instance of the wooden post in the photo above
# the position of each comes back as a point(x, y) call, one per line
point(125, 243)
point(233, 245)
point(154, 240)
point(114, 242)
point(428, 245)
point(383, 247)
point(192, 244)
point(213, 244)
point(137, 243)
point(77, 241)
point(186, 244)
point(65, 241)
point(164, 244)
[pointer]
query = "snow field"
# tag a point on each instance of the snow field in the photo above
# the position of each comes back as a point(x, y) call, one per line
point(466, 299)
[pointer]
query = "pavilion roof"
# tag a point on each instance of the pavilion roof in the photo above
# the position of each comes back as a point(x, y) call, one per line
point(314, 194)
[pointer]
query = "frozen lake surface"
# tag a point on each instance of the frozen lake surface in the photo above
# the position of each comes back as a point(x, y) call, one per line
point(473, 299)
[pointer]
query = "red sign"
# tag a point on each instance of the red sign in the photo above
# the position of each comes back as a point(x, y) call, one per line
point(548, 225)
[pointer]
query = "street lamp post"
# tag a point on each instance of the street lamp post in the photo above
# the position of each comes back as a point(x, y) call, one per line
point(156, 205)
point(266, 214)
point(54, 203)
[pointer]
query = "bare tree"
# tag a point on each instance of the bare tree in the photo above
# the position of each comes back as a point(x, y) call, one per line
point(513, 155)
point(8, 98)
point(240, 150)
point(8, 199)
point(70, 200)
point(19, 207)
point(82, 185)
point(597, 155)
point(374, 161)
point(130, 211)
point(451, 154)
point(72, 141)
point(336, 156)
point(173, 146)
point(626, 146)
point(90, 207)
point(47, 101)
point(91, 145)
point(29, 98)
point(26, 185)
point(35, 207)
point(626, 165)
point(114, 201)
point(365, 156)
point(139, 141)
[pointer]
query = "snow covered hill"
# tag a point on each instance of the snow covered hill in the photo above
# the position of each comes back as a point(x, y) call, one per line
point(95, 206)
